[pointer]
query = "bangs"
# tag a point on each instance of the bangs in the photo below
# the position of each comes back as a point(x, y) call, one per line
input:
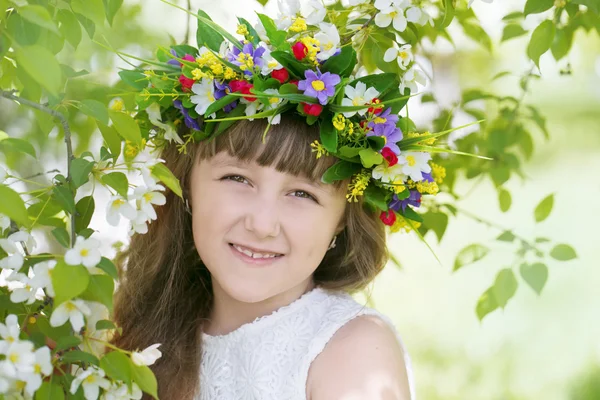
point(286, 148)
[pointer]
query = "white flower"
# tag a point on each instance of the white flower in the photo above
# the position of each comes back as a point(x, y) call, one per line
point(314, 12)
point(155, 117)
point(4, 222)
point(357, 2)
point(270, 63)
point(147, 196)
point(92, 379)
point(20, 359)
point(148, 356)
point(42, 278)
point(252, 107)
point(15, 259)
point(261, 31)
point(391, 12)
point(3, 174)
point(85, 251)
point(288, 12)
point(140, 223)
point(21, 294)
point(72, 310)
point(274, 102)
point(9, 332)
point(403, 55)
point(358, 96)
point(116, 207)
point(329, 39)
point(414, 163)
point(25, 238)
point(413, 14)
point(120, 391)
point(411, 78)
point(204, 95)
point(388, 174)
point(41, 365)
point(485, 1)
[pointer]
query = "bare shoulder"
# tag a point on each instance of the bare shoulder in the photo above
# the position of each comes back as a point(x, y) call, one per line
point(363, 360)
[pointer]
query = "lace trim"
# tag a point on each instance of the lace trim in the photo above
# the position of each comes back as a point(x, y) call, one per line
point(269, 318)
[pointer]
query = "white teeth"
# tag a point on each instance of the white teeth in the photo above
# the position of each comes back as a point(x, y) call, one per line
point(253, 255)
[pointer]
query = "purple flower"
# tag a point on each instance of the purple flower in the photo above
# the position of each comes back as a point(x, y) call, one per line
point(321, 86)
point(337, 52)
point(173, 61)
point(414, 199)
point(427, 176)
point(242, 57)
point(189, 121)
point(221, 90)
point(384, 125)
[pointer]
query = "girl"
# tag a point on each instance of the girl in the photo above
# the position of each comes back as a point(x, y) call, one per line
point(247, 283)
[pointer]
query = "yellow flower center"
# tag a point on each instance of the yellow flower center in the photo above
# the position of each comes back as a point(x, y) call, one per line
point(403, 55)
point(117, 203)
point(411, 160)
point(380, 120)
point(90, 379)
point(14, 357)
point(318, 85)
point(148, 197)
point(20, 385)
point(273, 100)
point(358, 101)
point(37, 368)
point(393, 14)
point(70, 306)
point(84, 252)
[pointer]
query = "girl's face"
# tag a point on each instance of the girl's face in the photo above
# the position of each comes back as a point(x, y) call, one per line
point(243, 206)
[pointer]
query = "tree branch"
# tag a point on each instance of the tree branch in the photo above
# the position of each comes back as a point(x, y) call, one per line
point(65, 124)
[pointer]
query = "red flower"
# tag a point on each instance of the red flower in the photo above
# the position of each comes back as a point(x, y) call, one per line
point(243, 87)
point(300, 50)
point(281, 75)
point(294, 82)
point(189, 57)
point(186, 83)
point(375, 110)
point(388, 217)
point(389, 155)
point(313, 109)
point(363, 124)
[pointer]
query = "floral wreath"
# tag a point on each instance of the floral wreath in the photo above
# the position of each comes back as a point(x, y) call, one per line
point(301, 61)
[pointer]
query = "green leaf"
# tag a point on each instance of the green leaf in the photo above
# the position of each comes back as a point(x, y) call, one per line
point(67, 342)
point(376, 196)
point(562, 43)
point(69, 281)
point(276, 37)
point(91, 9)
point(470, 254)
point(535, 275)
point(251, 31)
point(370, 157)
point(126, 126)
point(563, 252)
point(343, 63)
point(541, 40)
point(100, 289)
point(13, 207)
point(207, 35)
point(41, 65)
point(62, 236)
point(111, 7)
point(486, 304)
point(537, 6)
point(437, 222)
point(85, 210)
point(543, 209)
point(506, 236)
point(107, 266)
point(411, 214)
point(79, 356)
point(69, 27)
point(448, 14)
point(49, 391)
point(112, 139)
point(11, 145)
point(117, 366)
point(144, 377)
point(87, 24)
point(505, 286)
point(39, 16)
point(512, 31)
point(341, 170)
point(593, 5)
point(478, 34)
point(80, 171)
point(117, 181)
point(219, 104)
point(105, 324)
point(329, 137)
point(135, 79)
point(95, 109)
point(164, 174)
point(505, 199)
point(289, 62)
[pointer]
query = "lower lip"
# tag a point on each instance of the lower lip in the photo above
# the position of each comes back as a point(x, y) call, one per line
point(256, 262)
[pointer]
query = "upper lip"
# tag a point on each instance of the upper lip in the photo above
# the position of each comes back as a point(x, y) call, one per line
point(256, 250)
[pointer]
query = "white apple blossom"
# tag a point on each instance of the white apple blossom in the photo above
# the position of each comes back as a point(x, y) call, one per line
point(147, 196)
point(252, 107)
point(120, 391)
point(414, 163)
point(270, 63)
point(261, 31)
point(14, 259)
point(274, 102)
point(388, 174)
point(4, 222)
point(204, 95)
point(42, 278)
point(116, 207)
point(329, 39)
point(314, 12)
point(140, 223)
point(411, 78)
point(485, 1)
point(25, 238)
point(289, 10)
point(357, 2)
point(20, 356)
point(91, 379)
point(391, 12)
point(9, 332)
point(71, 310)
point(403, 55)
point(85, 251)
point(24, 293)
point(147, 356)
point(155, 117)
point(42, 365)
point(358, 96)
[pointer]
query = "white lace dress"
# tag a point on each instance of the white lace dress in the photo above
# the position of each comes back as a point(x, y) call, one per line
point(269, 359)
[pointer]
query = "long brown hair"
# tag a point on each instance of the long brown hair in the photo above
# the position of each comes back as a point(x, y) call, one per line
point(165, 290)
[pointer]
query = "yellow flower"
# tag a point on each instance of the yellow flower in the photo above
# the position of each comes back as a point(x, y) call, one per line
point(217, 69)
point(429, 141)
point(198, 74)
point(117, 104)
point(339, 122)
point(313, 46)
point(229, 73)
point(427, 187)
point(242, 29)
point(402, 223)
point(246, 61)
point(319, 149)
point(357, 186)
point(438, 172)
point(398, 186)
point(299, 25)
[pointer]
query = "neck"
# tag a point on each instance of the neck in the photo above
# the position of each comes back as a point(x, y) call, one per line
point(228, 314)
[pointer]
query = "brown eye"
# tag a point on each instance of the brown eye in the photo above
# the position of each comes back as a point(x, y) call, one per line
point(307, 195)
point(236, 178)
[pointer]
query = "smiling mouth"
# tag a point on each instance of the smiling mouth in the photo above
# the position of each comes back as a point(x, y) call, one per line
point(254, 255)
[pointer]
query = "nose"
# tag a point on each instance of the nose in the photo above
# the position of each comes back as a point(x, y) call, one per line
point(262, 217)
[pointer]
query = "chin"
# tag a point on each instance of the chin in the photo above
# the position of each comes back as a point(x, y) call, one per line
point(246, 291)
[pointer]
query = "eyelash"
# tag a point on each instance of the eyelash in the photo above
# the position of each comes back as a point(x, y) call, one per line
point(310, 197)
